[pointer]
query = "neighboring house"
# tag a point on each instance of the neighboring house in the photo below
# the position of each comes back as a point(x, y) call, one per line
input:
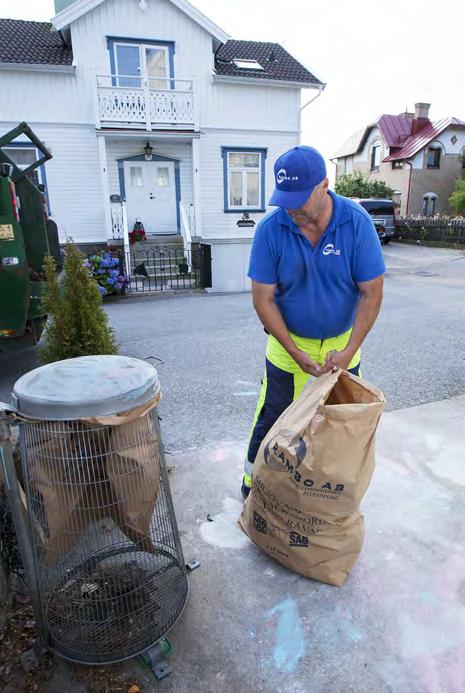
point(149, 102)
point(421, 160)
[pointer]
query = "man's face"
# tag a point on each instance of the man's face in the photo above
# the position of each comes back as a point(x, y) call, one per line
point(312, 210)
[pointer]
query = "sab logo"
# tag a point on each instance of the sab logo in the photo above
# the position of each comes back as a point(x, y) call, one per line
point(329, 250)
point(281, 176)
point(294, 446)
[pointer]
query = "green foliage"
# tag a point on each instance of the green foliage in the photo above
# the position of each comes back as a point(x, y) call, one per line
point(457, 199)
point(358, 185)
point(77, 324)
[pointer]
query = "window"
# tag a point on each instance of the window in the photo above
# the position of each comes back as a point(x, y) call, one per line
point(429, 204)
point(131, 62)
point(248, 64)
point(397, 164)
point(25, 155)
point(163, 177)
point(434, 157)
point(375, 157)
point(378, 207)
point(244, 179)
point(136, 177)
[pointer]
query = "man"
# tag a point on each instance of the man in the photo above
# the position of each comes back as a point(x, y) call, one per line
point(317, 285)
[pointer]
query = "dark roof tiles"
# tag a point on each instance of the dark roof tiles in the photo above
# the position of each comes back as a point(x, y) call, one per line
point(38, 43)
point(276, 62)
point(34, 43)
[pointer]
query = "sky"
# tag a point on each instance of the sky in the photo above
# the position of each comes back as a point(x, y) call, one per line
point(375, 57)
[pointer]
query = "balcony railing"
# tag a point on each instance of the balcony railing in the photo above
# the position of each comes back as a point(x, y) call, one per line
point(147, 103)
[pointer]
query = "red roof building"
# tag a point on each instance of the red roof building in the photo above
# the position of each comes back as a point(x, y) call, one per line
point(419, 158)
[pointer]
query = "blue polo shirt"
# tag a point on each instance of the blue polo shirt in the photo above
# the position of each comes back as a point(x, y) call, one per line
point(317, 290)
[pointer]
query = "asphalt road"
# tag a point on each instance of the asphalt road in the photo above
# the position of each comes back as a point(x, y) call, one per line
point(209, 348)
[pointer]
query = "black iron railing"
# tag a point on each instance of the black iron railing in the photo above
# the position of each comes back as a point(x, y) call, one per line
point(168, 269)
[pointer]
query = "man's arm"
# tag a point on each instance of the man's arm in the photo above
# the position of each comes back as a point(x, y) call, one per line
point(265, 305)
point(371, 297)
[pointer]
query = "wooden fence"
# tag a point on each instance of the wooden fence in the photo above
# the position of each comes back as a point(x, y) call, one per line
point(442, 230)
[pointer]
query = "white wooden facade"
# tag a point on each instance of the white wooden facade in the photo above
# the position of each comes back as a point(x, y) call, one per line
point(94, 121)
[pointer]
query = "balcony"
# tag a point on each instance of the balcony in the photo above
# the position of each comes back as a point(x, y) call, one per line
point(145, 103)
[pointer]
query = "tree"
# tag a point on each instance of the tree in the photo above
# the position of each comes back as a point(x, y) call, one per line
point(77, 324)
point(358, 185)
point(457, 199)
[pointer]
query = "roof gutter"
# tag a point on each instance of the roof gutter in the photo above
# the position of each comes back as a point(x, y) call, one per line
point(37, 67)
point(263, 82)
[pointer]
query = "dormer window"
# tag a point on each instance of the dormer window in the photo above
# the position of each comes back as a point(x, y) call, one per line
point(247, 64)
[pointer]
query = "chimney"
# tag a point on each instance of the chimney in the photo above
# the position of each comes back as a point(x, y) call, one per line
point(420, 118)
point(421, 110)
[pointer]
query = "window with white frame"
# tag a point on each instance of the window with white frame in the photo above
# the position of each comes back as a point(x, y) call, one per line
point(23, 156)
point(248, 64)
point(244, 179)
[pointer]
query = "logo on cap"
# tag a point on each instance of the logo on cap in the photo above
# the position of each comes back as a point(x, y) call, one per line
point(281, 176)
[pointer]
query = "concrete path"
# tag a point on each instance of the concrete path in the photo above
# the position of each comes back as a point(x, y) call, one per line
point(398, 624)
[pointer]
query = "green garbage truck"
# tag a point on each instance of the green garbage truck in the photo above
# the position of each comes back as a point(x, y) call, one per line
point(27, 234)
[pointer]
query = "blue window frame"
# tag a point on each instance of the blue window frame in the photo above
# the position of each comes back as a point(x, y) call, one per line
point(135, 58)
point(244, 179)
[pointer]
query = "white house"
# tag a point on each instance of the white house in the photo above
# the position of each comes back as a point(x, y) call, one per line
point(148, 106)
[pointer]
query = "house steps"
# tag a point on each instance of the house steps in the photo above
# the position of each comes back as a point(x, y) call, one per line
point(161, 256)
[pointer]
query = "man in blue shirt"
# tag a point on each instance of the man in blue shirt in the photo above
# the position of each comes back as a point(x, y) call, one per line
point(317, 269)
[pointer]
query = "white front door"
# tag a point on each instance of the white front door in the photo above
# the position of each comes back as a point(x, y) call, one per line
point(151, 195)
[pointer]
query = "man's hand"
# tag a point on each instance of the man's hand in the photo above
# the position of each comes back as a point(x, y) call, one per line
point(337, 359)
point(305, 362)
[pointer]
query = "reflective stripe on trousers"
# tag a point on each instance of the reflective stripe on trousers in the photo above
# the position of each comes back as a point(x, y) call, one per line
point(283, 382)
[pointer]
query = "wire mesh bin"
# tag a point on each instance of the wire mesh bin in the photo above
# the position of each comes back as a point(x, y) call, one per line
point(109, 562)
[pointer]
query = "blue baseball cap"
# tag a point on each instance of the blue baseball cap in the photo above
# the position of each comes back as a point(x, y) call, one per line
point(297, 172)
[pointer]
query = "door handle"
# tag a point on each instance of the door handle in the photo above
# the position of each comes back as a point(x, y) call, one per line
point(152, 196)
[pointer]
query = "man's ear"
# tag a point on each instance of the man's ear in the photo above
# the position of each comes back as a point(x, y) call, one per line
point(325, 184)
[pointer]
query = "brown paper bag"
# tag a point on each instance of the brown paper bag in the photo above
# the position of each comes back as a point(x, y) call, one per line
point(90, 472)
point(134, 476)
point(310, 474)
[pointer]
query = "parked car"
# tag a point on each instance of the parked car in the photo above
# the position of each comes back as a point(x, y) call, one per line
point(382, 213)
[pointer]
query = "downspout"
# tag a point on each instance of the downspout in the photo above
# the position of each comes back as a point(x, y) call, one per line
point(409, 186)
point(320, 91)
point(307, 103)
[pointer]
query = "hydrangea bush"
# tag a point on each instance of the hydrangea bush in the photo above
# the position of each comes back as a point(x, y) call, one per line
point(108, 273)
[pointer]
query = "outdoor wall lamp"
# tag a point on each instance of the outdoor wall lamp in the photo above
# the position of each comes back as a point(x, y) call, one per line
point(148, 152)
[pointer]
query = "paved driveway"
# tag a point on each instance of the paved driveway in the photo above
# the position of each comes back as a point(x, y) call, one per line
point(209, 348)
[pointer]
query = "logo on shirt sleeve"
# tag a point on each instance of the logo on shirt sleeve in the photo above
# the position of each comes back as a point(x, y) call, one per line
point(329, 249)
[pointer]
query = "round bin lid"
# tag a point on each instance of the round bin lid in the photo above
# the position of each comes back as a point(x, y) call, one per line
point(84, 387)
